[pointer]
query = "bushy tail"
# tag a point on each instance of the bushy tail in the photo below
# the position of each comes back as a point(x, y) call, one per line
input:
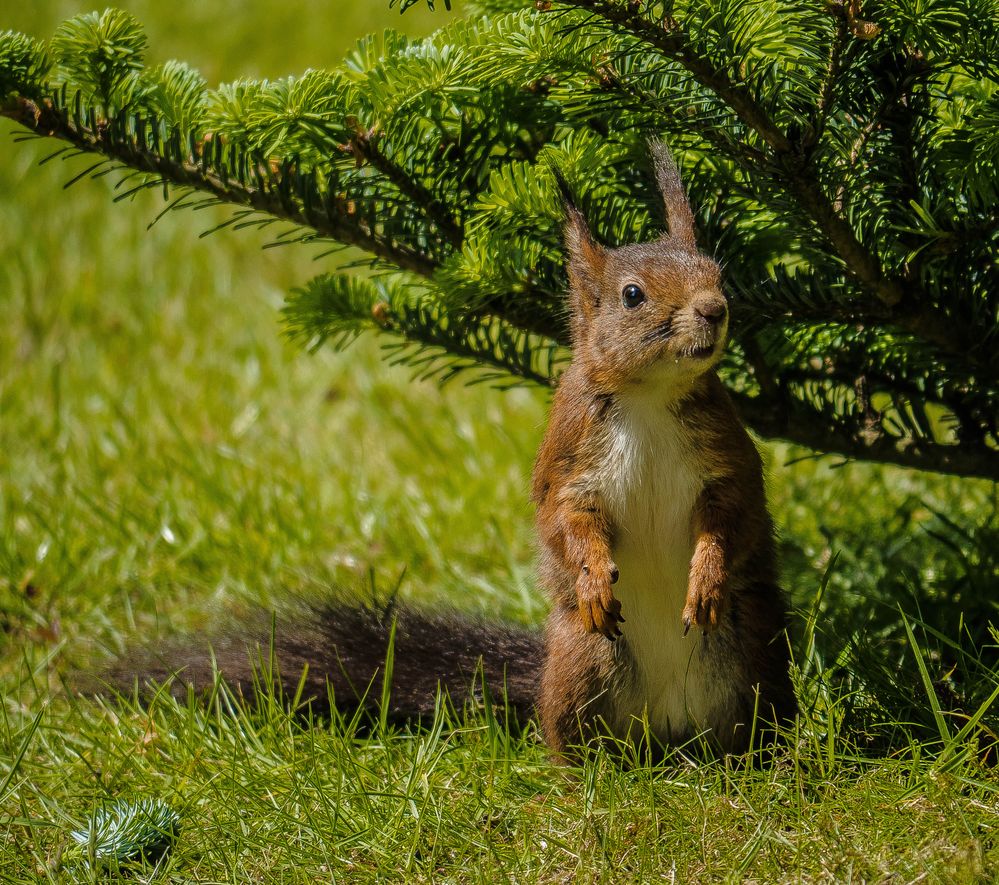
point(341, 649)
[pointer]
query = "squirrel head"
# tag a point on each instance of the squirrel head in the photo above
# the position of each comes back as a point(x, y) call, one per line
point(646, 313)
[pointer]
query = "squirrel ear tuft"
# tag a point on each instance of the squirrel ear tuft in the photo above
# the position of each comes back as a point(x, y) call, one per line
point(679, 216)
point(568, 200)
point(585, 259)
point(579, 243)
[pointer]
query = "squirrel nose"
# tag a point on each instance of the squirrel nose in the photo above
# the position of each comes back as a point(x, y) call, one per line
point(712, 310)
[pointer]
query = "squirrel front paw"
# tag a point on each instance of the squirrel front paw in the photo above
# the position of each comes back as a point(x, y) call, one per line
point(598, 607)
point(706, 603)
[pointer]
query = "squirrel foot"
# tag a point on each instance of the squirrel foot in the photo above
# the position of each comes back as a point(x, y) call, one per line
point(704, 609)
point(598, 607)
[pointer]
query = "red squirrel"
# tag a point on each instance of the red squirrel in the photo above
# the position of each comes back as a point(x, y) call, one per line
point(656, 545)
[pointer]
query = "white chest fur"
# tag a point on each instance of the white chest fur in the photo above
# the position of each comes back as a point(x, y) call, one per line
point(650, 480)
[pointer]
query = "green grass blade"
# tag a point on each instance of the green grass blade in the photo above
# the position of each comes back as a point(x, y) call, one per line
point(22, 751)
point(924, 674)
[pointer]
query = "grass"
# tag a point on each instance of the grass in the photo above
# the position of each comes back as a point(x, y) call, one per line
point(167, 460)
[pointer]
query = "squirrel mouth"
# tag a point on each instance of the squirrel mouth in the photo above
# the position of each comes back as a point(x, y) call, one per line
point(702, 352)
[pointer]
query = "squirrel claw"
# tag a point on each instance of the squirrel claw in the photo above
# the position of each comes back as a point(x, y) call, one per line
point(704, 611)
point(599, 611)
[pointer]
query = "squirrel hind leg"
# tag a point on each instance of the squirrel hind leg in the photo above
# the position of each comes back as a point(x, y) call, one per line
point(574, 679)
point(760, 653)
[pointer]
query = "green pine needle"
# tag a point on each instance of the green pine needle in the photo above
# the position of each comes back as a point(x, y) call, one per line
point(23, 64)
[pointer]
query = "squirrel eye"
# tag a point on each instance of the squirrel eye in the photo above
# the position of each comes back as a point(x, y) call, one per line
point(632, 296)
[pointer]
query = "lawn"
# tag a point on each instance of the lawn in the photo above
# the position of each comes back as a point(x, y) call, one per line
point(168, 461)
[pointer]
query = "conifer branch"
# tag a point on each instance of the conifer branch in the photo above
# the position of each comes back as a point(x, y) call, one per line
point(830, 173)
point(791, 158)
point(827, 91)
point(670, 39)
point(797, 424)
point(338, 308)
point(640, 100)
point(365, 145)
point(330, 219)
